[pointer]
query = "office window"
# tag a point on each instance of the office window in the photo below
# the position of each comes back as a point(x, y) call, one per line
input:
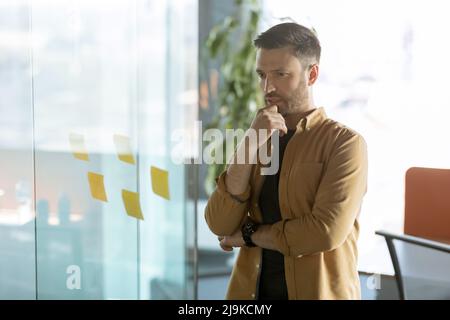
point(383, 73)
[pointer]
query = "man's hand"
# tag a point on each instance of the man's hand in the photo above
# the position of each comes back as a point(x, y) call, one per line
point(268, 118)
point(238, 173)
point(261, 238)
point(229, 242)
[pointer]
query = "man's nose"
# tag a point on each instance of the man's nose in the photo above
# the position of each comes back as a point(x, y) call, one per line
point(268, 86)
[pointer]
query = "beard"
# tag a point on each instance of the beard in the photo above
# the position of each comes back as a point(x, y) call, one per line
point(293, 102)
point(298, 98)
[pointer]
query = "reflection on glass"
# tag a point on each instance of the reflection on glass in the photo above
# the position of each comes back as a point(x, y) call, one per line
point(106, 96)
point(17, 245)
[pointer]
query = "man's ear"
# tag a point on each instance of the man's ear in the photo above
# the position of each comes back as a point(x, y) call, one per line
point(313, 74)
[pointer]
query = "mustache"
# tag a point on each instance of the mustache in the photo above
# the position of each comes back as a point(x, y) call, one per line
point(267, 96)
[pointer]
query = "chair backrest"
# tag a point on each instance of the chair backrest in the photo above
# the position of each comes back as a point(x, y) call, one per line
point(427, 203)
point(422, 267)
point(421, 256)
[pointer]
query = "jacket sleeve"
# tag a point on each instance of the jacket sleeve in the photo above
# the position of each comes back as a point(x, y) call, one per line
point(224, 212)
point(336, 206)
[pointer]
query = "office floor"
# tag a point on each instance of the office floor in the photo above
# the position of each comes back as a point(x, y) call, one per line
point(214, 288)
point(215, 269)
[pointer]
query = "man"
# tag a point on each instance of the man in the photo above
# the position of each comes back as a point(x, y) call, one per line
point(296, 230)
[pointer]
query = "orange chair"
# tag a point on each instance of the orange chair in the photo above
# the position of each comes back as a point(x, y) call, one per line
point(427, 203)
point(421, 256)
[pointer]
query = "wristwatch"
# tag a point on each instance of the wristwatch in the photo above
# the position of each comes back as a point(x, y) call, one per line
point(248, 228)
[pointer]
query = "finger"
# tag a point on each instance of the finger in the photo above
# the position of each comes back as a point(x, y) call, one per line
point(278, 116)
point(274, 126)
point(279, 125)
point(272, 108)
point(283, 125)
point(225, 247)
point(280, 132)
point(273, 117)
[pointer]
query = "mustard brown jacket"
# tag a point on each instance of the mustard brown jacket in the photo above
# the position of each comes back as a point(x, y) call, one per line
point(322, 182)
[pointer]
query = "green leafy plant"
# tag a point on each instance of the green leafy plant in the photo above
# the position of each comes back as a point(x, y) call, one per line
point(231, 41)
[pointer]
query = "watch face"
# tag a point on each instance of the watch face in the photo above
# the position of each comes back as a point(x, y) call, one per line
point(249, 226)
point(248, 229)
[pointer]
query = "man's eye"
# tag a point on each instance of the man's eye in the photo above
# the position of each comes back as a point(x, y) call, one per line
point(282, 74)
point(260, 75)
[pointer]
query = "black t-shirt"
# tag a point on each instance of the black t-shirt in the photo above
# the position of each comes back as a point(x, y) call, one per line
point(272, 282)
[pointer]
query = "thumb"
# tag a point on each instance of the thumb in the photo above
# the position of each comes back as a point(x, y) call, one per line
point(273, 108)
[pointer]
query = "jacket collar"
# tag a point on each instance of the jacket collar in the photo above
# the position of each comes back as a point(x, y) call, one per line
point(311, 120)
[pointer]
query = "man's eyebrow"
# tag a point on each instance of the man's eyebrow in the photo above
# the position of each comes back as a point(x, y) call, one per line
point(274, 70)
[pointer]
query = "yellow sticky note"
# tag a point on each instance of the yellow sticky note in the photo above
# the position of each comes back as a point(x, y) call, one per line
point(78, 146)
point(97, 186)
point(123, 148)
point(132, 205)
point(160, 182)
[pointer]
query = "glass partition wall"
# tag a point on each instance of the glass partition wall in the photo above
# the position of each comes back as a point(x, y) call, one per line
point(92, 203)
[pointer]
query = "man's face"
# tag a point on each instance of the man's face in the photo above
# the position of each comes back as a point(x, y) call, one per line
point(283, 79)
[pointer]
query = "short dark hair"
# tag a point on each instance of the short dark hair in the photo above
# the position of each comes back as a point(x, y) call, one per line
point(301, 39)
